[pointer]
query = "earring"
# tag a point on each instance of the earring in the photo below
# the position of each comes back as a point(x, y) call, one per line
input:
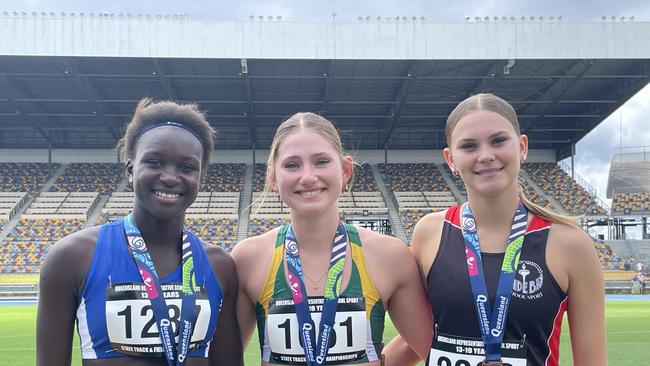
point(455, 173)
point(130, 178)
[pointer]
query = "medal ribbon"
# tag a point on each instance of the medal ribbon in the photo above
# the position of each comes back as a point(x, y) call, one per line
point(492, 322)
point(316, 349)
point(175, 357)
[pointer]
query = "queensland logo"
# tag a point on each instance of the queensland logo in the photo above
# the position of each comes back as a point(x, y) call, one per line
point(468, 224)
point(291, 247)
point(529, 279)
point(471, 262)
point(147, 278)
point(295, 288)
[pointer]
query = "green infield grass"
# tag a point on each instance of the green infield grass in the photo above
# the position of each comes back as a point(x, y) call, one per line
point(19, 279)
point(628, 336)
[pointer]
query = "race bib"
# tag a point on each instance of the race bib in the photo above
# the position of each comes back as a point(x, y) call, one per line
point(448, 350)
point(347, 342)
point(132, 327)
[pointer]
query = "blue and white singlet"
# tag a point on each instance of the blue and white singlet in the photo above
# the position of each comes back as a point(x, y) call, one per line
point(114, 315)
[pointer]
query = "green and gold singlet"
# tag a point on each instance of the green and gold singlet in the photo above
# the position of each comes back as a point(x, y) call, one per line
point(359, 325)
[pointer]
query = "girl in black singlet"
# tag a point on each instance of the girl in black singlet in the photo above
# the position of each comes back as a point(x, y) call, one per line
point(551, 269)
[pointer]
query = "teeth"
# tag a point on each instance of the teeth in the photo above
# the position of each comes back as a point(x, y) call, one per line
point(489, 171)
point(310, 193)
point(167, 195)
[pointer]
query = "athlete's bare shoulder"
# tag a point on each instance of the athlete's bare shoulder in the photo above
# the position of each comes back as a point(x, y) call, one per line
point(430, 223)
point(372, 239)
point(69, 259)
point(569, 249)
point(426, 239)
point(252, 258)
point(252, 246)
point(76, 246)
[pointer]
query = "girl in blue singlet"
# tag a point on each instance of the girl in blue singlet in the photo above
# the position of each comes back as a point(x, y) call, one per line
point(501, 271)
point(144, 290)
point(318, 288)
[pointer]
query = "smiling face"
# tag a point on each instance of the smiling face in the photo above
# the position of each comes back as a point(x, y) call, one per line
point(309, 173)
point(166, 170)
point(486, 150)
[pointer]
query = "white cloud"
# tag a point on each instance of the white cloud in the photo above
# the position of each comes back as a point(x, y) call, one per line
point(629, 126)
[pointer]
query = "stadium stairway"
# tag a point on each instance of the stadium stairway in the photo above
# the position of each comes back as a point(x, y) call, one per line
point(452, 186)
point(9, 226)
point(46, 187)
point(245, 202)
point(121, 187)
point(557, 206)
point(622, 248)
point(642, 249)
point(92, 217)
point(391, 204)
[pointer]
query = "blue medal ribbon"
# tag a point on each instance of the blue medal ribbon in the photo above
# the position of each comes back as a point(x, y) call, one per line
point(175, 354)
point(492, 322)
point(316, 349)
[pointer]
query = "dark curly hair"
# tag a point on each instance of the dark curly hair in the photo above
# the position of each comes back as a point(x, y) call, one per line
point(149, 112)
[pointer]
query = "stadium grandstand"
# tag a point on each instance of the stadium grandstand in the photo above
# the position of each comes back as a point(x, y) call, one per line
point(70, 81)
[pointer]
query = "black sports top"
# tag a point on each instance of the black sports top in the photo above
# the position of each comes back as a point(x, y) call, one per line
point(532, 335)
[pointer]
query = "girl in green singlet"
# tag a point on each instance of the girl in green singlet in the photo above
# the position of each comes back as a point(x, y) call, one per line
point(320, 274)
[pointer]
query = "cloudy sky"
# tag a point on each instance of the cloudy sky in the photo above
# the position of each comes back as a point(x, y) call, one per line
point(593, 152)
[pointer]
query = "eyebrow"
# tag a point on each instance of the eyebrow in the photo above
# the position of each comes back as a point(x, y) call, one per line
point(499, 133)
point(316, 155)
point(158, 154)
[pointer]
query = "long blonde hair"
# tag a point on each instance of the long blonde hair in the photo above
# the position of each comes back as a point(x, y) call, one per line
point(492, 103)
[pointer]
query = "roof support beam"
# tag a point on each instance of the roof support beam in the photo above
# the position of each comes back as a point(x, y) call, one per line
point(483, 85)
point(250, 109)
point(328, 101)
point(164, 80)
point(316, 77)
point(400, 99)
point(89, 90)
point(557, 89)
point(326, 89)
point(616, 91)
point(11, 87)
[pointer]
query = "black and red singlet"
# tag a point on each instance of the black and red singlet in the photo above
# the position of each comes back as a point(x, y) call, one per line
point(532, 334)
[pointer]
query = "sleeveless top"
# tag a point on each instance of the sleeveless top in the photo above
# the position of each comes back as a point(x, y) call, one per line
point(359, 324)
point(532, 333)
point(114, 316)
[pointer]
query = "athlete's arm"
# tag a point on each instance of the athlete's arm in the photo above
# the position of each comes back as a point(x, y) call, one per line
point(245, 260)
point(407, 304)
point(426, 241)
point(226, 346)
point(62, 274)
point(424, 247)
point(586, 309)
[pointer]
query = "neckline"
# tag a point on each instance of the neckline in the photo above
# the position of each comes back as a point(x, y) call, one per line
point(124, 247)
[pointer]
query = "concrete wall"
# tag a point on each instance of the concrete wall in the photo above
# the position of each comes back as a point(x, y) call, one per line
point(66, 156)
point(152, 37)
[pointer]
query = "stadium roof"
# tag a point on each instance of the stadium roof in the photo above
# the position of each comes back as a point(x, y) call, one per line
point(54, 93)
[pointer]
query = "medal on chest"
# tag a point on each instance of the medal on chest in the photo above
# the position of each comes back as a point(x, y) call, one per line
point(492, 319)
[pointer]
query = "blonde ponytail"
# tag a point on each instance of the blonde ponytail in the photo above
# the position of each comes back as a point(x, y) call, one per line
point(547, 214)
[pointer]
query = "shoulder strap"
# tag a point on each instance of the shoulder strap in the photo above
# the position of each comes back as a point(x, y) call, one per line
point(279, 241)
point(353, 235)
